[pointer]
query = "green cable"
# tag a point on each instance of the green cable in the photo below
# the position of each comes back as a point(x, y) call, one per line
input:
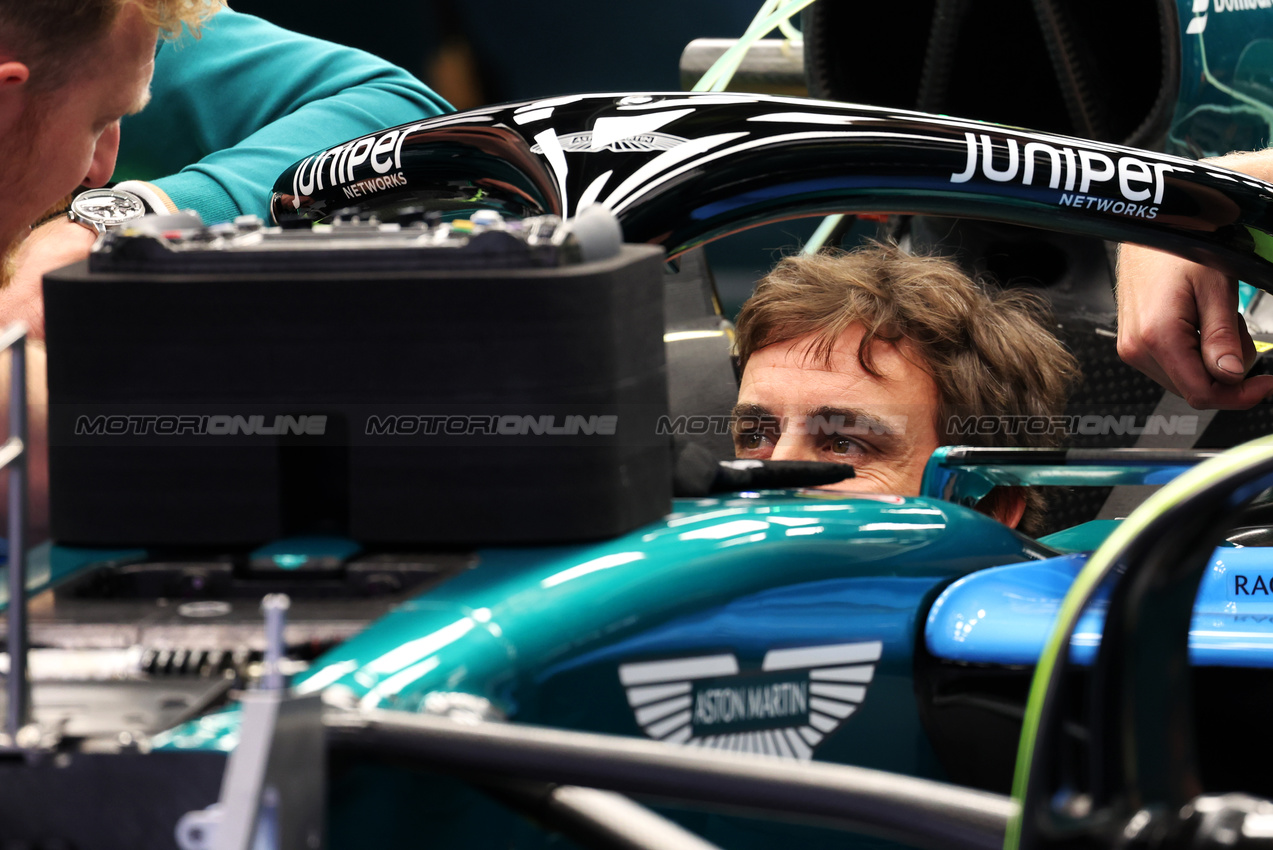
point(717, 78)
point(721, 68)
point(822, 234)
point(1259, 105)
point(718, 67)
point(781, 16)
point(766, 20)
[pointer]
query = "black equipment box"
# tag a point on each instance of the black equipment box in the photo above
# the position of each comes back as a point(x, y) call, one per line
point(235, 386)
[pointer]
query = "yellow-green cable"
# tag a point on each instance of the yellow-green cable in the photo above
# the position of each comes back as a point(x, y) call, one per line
point(822, 234)
point(722, 70)
point(1202, 475)
point(721, 67)
point(778, 18)
point(718, 67)
point(1259, 105)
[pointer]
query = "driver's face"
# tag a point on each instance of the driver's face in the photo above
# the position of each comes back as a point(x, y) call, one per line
point(792, 407)
point(72, 135)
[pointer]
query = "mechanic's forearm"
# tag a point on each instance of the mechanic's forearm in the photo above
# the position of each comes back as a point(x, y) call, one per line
point(49, 247)
point(1178, 321)
point(233, 110)
point(1258, 164)
point(238, 180)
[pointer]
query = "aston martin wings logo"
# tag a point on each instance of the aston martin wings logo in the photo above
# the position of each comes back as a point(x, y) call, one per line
point(636, 142)
point(796, 700)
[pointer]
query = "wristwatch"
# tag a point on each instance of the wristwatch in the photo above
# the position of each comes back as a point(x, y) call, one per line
point(105, 209)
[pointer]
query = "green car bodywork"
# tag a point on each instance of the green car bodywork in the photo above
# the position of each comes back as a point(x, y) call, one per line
point(521, 627)
point(542, 633)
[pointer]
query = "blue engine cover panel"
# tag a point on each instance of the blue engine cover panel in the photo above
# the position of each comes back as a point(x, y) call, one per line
point(1004, 615)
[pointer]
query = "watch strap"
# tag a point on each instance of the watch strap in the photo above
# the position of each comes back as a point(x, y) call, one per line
point(155, 199)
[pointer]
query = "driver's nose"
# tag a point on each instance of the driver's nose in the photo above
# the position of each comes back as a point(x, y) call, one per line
point(103, 165)
point(793, 446)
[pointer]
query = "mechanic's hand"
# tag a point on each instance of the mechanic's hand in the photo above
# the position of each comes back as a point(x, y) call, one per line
point(48, 247)
point(1178, 322)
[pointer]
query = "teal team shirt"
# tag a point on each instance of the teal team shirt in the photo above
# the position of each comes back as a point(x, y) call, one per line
point(230, 111)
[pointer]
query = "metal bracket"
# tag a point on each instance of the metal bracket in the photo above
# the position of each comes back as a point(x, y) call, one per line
point(273, 791)
point(13, 456)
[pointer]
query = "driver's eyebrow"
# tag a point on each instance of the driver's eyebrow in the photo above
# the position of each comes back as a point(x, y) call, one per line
point(849, 420)
point(749, 410)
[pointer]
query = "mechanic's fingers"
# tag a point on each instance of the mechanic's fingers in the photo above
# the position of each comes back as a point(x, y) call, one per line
point(1172, 357)
point(1156, 316)
point(1178, 323)
point(1222, 330)
point(1202, 393)
point(1177, 365)
point(1249, 354)
point(1248, 394)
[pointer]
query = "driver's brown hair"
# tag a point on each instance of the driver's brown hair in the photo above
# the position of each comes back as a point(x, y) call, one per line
point(55, 37)
point(989, 350)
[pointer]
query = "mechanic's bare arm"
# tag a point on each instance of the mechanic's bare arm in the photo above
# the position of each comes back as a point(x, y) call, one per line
point(1178, 321)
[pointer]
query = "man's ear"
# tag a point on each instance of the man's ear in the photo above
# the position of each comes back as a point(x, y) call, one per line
point(13, 93)
point(1006, 504)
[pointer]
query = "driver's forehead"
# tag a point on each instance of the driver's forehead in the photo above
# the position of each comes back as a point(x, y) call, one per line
point(793, 379)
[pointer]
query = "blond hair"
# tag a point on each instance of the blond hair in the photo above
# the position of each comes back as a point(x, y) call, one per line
point(52, 36)
point(989, 351)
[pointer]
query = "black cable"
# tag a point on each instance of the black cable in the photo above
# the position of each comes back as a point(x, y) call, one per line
point(1072, 73)
point(939, 55)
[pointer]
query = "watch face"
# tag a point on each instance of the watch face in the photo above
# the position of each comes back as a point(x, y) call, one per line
point(108, 206)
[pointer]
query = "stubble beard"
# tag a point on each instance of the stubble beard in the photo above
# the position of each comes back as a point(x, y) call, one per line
point(17, 181)
point(7, 265)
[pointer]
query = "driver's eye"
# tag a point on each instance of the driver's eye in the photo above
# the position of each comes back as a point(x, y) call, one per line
point(846, 448)
point(749, 440)
point(841, 445)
